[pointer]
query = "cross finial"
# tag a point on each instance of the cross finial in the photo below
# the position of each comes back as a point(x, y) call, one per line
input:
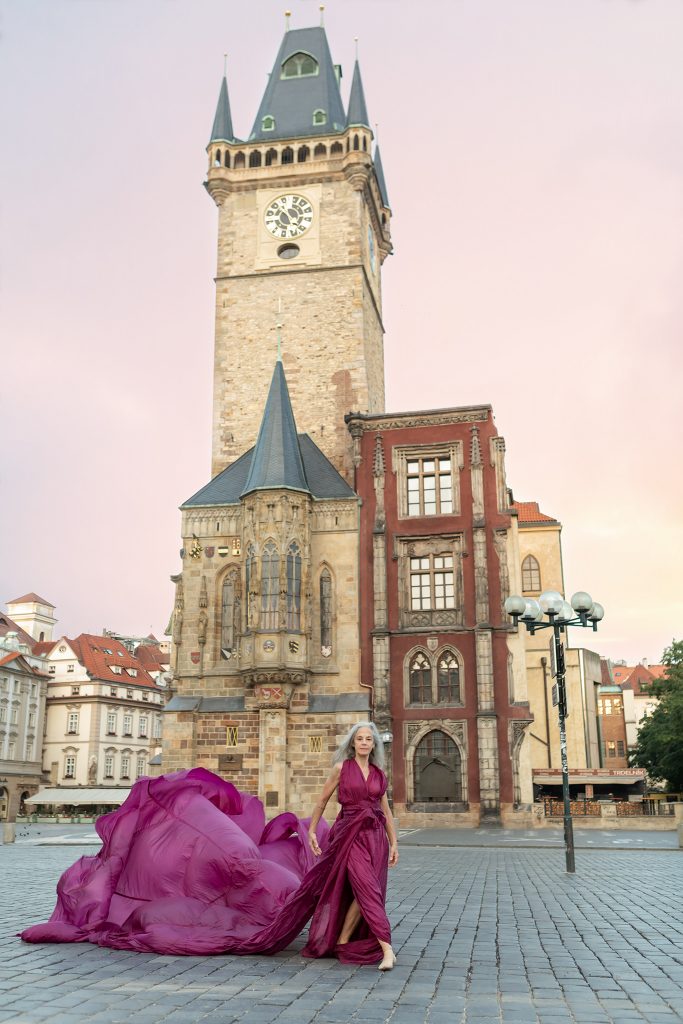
point(288, 15)
point(355, 39)
point(225, 65)
point(322, 15)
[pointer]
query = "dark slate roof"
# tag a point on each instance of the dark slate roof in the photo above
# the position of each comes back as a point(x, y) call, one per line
point(222, 122)
point(323, 703)
point(358, 111)
point(292, 101)
point(379, 174)
point(324, 482)
point(276, 461)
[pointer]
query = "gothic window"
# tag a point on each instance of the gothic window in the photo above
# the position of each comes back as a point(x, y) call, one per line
point(355, 142)
point(420, 676)
point(438, 769)
point(287, 155)
point(326, 613)
point(271, 157)
point(226, 159)
point(448, 679)
point(320, 150)
point(531, 574)
point(432, 583)
point(319, 117)
point(293, 587)
point(255, 158)
point(239, 160)
point(250, 570)
point(230, 607)
point(303, 154)
point(300, 65)
point(270, 583)
point(430, 486)
point(335, 148)
point(217, 159)
point(268, 123)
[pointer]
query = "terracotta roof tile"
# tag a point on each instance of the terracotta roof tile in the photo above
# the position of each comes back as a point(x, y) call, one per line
point(41, 647)
point(31, 599)
point(98, 653)
point(152, 658)
point(529, 512)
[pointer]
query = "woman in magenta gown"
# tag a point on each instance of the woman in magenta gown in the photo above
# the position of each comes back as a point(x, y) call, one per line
point(188, 865)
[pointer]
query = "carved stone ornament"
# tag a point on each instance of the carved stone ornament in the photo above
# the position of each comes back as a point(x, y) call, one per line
point(412, 730)
point(432, 642)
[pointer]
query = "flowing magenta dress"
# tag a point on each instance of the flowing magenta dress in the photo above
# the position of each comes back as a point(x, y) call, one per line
point(188, 865)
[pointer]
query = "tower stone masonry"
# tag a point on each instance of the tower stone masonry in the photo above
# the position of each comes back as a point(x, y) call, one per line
point(303, 230)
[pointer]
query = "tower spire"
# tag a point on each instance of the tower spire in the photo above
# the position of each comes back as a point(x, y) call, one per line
point(277, 461)
point(358, 112)
point(222, 130)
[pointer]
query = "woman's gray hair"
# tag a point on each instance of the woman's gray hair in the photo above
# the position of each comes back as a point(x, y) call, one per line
point(346, 750)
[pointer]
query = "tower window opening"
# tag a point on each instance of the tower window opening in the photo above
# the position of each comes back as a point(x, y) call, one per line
point(271, 157)
point(226, 159)
point(319, 117)
point(239, 160)
point(287, 156)
point(268, 123)
point(355, 142)
point(255, 158)
point(300, 65)
point(365, 144)
point(320, 150)
point(303, 154)
point(336, 148)
point(288, 251)
point(217, 159)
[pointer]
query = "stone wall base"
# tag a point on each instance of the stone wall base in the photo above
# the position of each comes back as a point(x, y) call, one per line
point(441, 819)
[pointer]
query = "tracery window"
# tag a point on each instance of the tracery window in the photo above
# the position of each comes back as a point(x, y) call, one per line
point(300, 65)
point(438, 769)
point(270, 582)
point(432, 583)
point(293, 587)
point(420, 675)
point(448, 678)
point(326, 613)
point(531, 574)
point(230, 613)
point(250, 580)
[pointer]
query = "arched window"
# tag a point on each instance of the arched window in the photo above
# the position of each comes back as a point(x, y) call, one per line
point(226, 159)
point(217, 158)
point(287, 155)
point(531, 574)
point(250, 571)
point(300, 65)
point(336, 147)
point(268, 123)
point(420, 677)
point(326, 613)
point(448, 679)
point(303, 154)
point(230, 614)
point(293, 587)
point(438, 769)
point(239, 160)
point(355, 142)
point(319, 117)
point(270, 582)
point(365, 144)
point(320, 150)
point(255, 158)
point(271, 157)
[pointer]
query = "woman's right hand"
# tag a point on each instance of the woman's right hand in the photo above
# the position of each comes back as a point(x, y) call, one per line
point(314, 845)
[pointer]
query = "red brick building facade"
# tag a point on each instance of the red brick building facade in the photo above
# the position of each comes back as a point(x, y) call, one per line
point(438, 553)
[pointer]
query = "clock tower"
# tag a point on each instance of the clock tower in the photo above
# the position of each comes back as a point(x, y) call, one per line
point(303, 229)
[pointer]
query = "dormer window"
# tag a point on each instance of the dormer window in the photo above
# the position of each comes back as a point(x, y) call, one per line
point(300, 65)
point(268, 123)
point(319, 117)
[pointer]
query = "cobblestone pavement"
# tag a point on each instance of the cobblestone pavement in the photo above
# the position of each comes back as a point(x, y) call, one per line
point(487, 935)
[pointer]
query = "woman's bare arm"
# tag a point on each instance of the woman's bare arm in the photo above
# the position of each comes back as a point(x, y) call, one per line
point(328, 790)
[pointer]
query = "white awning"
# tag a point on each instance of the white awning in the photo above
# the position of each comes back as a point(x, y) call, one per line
point(78, 796)
point(594, 776)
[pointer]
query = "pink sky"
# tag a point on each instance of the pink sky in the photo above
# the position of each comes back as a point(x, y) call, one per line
point(534, 156)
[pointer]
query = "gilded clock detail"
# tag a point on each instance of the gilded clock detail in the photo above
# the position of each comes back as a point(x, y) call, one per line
point(288, 216)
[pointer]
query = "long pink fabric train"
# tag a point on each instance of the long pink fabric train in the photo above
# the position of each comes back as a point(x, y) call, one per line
point(188, 865)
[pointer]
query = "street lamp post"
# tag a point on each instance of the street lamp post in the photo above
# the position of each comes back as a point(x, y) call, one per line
point(551, 611)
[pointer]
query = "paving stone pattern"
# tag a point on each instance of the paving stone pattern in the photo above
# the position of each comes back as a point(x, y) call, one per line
point(482, 936)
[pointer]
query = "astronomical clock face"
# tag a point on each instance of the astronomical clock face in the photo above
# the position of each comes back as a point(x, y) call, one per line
point(289, 216)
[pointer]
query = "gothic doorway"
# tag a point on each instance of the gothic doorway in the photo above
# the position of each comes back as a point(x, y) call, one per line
point(438, 769)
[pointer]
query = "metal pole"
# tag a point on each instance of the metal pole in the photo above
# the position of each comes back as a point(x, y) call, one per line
point(562, 709)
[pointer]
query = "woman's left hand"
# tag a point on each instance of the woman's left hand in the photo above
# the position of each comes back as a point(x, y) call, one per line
point(393, 854)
